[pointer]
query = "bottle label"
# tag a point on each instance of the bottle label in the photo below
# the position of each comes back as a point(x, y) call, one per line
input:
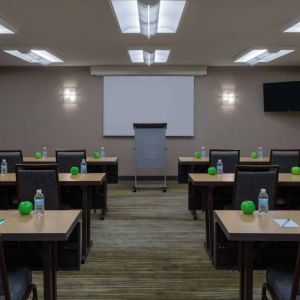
point(39, 204)
point(83, 169)
point(263, 204)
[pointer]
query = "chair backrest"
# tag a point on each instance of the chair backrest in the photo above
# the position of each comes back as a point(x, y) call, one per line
point(31, 177)
point(69, 158)
point(249, 180)
point(4, 278)
point(285, 159)
point(294, 291)
point(230, 158)
point(12, 157)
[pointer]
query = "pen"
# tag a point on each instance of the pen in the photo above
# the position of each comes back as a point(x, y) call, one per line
point(285, 223)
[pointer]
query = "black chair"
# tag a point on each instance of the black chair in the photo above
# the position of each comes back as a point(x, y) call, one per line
point(12, 158)
point(285, 159)
point(230, 158)
point(69, 158)
point(35, 176)
point(249, 180)
point(16, 280)
point(65, 160)
point(8, 194)
point(282, 281)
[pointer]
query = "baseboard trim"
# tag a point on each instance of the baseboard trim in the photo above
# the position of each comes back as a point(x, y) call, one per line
point(147, 178)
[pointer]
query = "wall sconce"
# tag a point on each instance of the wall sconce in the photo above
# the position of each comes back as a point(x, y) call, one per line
point(228, 97)
point(70, 95)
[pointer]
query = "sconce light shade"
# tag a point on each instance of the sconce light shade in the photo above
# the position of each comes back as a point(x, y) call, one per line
point(228, 97)
point(70, 95)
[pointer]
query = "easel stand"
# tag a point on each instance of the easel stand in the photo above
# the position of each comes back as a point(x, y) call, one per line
point(150, 152)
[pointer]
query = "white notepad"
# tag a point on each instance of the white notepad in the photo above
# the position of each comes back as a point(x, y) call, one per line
point(286, 223)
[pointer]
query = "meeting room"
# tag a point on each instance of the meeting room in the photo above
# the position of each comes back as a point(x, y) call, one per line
point(150, 149)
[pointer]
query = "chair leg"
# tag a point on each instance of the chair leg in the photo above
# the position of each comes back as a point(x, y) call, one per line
point(264, 292)
point(34, 292)
point(31, 288)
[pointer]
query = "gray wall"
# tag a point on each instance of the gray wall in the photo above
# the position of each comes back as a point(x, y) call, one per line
point(33, 113)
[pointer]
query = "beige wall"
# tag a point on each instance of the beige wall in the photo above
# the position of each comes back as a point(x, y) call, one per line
point(32, 113)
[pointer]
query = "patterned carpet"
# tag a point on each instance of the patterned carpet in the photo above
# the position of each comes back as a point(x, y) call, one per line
point(149, 247)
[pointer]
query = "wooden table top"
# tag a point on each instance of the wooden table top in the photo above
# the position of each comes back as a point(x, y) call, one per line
point(55, 225)
point(228, 179)
point(193, 160)
point(240, 227)
point(64, 178)
point(92, 160)
point(205, 160)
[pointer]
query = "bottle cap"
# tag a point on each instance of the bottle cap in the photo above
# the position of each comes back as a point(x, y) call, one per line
point(263, 190)
point(219, 160)
point(3, 160)
point(38, 191)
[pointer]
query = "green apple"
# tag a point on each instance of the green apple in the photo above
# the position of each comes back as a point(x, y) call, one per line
point(248, 207)
point(212, 171)
point(197, 154)
point(74, 170)
point(96, 154)
point(25, 207)
point(295, 170)
point(253, 155)
point(38, 155)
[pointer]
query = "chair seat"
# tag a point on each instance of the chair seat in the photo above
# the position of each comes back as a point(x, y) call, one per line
point(280, 279)
point(19, 278)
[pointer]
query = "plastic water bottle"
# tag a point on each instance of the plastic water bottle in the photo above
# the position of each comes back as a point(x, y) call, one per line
point(203, 152)
point(260, 152)
point(219, 167)
point(83, 167)
point(263, 202)
point(45, 152)
point(102, 152)
point(4, 166)
point(39, 203)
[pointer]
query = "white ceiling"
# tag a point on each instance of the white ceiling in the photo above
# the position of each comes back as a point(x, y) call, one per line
point(212, 32)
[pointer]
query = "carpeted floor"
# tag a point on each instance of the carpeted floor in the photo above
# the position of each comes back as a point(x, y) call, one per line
point(149, 247)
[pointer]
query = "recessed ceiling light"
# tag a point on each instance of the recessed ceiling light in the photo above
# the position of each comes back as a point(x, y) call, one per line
point(256, 56)
point(293, 28)
point(250, 55)
point(149, 58)
point(137, 16)
point(42, 57)
point(6, 28)
point(47, 56)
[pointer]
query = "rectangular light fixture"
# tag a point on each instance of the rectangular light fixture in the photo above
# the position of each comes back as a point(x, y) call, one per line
point(42, 57)
point(254, 57)
point(70, 95)
point(228, 97)
point(293, 28)
point(161, 16)
point(250, 55)
point(149, 58)
point(6, 28)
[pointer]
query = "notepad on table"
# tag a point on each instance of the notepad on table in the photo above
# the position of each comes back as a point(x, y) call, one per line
point(286, 223)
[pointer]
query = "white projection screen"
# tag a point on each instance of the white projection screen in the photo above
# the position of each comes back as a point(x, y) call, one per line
point(148, 99)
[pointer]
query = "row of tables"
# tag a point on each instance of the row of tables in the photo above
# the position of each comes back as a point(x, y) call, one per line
point(188, 165)
point(57, 225)
point(238, 227)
